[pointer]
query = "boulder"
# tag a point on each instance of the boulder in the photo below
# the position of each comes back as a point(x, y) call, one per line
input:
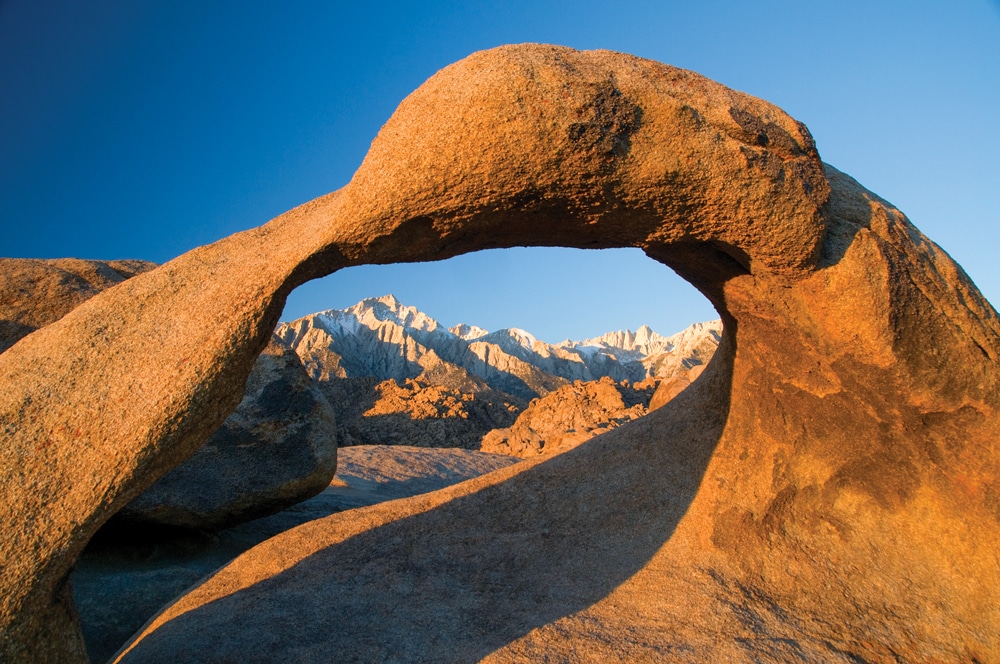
point(567, 417)
point(278, 447)
point(827, 489)
point(35, 292)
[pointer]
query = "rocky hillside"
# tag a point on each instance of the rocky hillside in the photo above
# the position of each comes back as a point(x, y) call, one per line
point(397, 376)
point(569, 416)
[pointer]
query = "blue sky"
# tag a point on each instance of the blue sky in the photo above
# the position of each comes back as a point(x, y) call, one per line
point(136, 129)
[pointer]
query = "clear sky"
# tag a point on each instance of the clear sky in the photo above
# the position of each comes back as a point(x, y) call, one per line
point(133, 129)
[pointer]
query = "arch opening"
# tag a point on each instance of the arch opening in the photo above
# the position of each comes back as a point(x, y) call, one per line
point(491, 333)
point(443, 405)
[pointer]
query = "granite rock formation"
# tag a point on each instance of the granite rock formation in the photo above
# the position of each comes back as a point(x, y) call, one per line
point(828, 489)
point(36, 292)
point(569, 416)
point(419, 412)
point(279, 447)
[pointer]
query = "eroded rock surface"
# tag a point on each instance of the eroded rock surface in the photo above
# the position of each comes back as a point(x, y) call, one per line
point(827, 489)
point(277, 448)
point(569, 416)
point(36, 292)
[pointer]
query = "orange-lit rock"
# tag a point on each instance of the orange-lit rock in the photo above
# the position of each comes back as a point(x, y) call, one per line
point(671, 387)
point(36, 292)
point(828, 488)
point(567, 417)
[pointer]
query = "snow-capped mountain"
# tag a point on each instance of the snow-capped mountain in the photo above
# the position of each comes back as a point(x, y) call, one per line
point(659, 356)
point(383, 338)
point(468, 332)
point(638, 344)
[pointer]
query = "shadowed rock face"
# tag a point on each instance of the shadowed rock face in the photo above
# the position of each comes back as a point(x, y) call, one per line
point(827, 489)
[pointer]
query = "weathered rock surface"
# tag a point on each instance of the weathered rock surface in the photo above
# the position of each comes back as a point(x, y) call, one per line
point(569, 416)
point(828, 489)
point(123, 579)
point(36, 292)
point(671, 387)
point(277, 448)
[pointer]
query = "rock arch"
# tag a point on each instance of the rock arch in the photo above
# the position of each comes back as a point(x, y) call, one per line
point(843, 444)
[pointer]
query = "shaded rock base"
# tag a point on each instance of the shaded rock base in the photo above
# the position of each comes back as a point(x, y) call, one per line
point(127, 574)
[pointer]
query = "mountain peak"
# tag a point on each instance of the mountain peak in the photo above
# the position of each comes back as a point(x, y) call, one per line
point(389, 309)
point(520, 337)
point(644, 340)
point(382, 337)
point(468, 332)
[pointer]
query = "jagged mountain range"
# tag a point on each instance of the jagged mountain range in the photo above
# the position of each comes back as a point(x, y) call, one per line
point(394, 375)
point(384, 339)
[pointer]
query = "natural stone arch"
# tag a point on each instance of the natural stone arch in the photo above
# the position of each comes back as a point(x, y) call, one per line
point(838, 438)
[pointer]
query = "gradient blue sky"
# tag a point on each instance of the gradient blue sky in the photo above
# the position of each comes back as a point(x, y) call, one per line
point(136, 129)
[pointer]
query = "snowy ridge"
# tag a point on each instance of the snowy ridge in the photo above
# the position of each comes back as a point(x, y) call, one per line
point(383, 338)
point(468, 332)
point(372, 311)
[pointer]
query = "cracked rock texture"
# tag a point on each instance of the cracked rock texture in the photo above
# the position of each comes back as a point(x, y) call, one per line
point(569, 416)
point(828, 488)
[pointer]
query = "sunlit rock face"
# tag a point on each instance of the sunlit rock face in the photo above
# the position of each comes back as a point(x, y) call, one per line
point(569, 416)
point(277, 448)
point(827, 489)
point(36, 292)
